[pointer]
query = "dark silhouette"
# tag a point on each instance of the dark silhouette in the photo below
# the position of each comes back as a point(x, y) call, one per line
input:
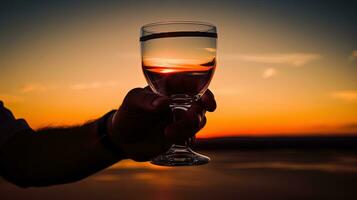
point(140, 129)
point(312, 142)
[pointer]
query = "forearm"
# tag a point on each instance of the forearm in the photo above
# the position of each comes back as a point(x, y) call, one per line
point(55, 155)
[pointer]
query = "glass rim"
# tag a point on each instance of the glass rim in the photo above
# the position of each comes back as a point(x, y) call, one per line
point(201, 29)
point(177, 23)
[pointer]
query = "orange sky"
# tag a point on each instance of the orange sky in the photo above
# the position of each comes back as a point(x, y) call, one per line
point(272, 76)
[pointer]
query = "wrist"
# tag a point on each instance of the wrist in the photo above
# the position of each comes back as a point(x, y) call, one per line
point(105, 132)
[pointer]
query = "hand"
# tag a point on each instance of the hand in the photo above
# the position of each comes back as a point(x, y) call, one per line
point(143, 126)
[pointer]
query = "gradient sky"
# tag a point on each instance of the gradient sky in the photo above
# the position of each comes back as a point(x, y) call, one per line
point(284, 67)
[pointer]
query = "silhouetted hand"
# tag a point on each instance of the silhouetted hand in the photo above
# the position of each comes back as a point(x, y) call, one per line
point(143, 126)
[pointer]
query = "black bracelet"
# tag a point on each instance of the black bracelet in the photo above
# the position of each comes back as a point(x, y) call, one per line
point(104, 135)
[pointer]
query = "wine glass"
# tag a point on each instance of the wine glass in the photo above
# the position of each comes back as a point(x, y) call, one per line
point(179, 60)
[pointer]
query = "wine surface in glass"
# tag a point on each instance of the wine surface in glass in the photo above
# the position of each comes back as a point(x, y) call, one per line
point(191, 80)
point(185, 70)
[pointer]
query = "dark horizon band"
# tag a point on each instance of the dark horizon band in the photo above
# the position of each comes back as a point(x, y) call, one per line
point(178, 34)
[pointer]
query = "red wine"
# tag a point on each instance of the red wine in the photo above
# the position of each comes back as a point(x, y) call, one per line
point(184, 79)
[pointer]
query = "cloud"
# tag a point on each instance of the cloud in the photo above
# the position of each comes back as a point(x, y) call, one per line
point(210, 49)
point(93, 85)
point(36, 87)
point(346, 95)
point(295, 59)
point(268, 73)
point(353, 55)
point(9, 98)
point(350, 126)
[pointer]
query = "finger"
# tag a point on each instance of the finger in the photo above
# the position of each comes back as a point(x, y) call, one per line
point(203, 122)
point(139, 99)
point(196, 108)
point(208, 101)
point(148, 88)
point(5, 114)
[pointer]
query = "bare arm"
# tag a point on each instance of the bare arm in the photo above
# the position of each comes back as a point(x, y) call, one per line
point(141, 129)
point(55, 155)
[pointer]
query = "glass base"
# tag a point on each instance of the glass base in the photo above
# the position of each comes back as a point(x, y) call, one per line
point(179, 155)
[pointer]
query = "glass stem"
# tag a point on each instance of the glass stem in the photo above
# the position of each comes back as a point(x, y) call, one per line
point(178, 111)
point(180, 153)
point(179, 105)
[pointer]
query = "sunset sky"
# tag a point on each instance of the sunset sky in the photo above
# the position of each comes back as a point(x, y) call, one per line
point(283, 67)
